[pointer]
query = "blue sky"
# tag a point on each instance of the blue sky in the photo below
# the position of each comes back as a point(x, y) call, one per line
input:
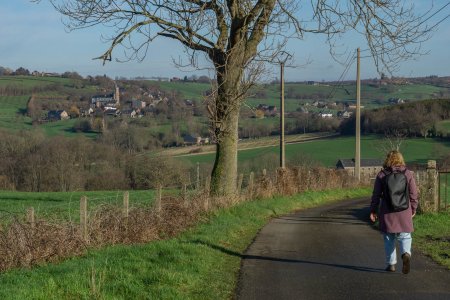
point(33, 36)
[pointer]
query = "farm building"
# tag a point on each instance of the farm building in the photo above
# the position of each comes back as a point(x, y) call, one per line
point(369, 167)
point(56, 115)
point(189, 140)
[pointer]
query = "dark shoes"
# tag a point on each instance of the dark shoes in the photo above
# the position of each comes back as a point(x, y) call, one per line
point(406, 257)
point(390, 268)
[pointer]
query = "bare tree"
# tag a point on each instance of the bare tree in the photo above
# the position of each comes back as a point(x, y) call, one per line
point(393, 140)
point(237, 35)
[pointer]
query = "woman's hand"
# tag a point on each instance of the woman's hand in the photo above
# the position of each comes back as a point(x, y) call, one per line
point(373, 217)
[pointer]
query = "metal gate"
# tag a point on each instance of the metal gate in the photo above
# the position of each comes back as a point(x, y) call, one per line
point(444, 189)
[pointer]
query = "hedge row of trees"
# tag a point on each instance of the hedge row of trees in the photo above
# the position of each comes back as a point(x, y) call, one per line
point(33, 162)
point(417, 119)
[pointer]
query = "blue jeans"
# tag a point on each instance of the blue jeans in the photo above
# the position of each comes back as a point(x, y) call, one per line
point(404, 240)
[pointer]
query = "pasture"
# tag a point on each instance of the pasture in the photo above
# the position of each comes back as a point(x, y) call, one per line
point(297, 94)
point(11, 112)
point(65, 205)
point(328, 151)
point(444, 127)
point(30, 82)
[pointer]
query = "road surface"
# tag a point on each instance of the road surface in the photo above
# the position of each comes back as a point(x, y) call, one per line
point(332, 252)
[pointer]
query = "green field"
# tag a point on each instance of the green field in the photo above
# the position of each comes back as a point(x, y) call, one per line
point(189, 90)
point(11, 112)
point(444, 127)
point(28, 82)
point(369, 94)
point(328, 151)
point(64, 127)
point(65, 205)
point(444, 191)
point(12, 108)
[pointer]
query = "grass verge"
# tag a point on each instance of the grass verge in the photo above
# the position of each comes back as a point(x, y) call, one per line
point(201, 263)
point(432, 236)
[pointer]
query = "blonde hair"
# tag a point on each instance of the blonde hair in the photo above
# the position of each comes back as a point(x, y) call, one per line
point(394, 158)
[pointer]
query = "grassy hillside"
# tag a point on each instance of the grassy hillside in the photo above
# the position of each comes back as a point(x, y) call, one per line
point(369, 94)
point(11, 109)
point(189, 90)
point(328, 151)
point(32, 81)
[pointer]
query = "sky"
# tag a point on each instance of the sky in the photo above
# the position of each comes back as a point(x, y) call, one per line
point(33, 36)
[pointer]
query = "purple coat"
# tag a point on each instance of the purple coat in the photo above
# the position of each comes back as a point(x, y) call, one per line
point(395, 222)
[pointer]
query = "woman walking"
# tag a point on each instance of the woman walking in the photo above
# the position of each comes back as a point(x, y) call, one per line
point(396, 189)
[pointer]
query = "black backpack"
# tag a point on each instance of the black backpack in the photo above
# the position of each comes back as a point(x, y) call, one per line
point(395, 190)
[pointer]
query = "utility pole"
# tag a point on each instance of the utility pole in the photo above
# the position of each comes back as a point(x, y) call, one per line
point(282, 143)
point(358, 120)
point(284, 57)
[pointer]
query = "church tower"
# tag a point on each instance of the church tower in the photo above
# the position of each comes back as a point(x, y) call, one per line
point(117, 95)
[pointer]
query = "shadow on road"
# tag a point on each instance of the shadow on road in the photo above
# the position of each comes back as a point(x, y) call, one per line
point(284, 260)
point(353, 216)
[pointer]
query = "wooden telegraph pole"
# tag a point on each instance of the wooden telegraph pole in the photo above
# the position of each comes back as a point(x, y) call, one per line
point(282, 61)
point(358, 120)
point(282, 143)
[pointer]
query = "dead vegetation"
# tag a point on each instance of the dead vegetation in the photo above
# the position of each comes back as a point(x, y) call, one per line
point(27, 243)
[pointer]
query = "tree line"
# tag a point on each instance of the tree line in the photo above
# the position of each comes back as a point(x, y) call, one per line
point(36, 163)
point(417, 119)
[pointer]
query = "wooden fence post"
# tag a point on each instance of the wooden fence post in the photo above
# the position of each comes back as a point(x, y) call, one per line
point(197, 183)
point(206, 195)
point(158, 201)
point(207, 184)
point(250, 184)
point(239, 187)
point(433, 177)
point(30, 216)
point(126, 204)
point(83, 217)
point(184, 195)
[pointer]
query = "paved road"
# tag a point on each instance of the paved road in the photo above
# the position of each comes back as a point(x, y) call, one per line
point(332, 253)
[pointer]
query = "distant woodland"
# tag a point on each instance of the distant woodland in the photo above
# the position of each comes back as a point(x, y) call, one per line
point(416, 119)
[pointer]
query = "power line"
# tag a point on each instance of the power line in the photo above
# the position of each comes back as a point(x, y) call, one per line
point(349, 62)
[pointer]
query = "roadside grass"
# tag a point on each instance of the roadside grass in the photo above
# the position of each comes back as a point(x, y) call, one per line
point(202, 263)
point(432, 236)
point(328, 151)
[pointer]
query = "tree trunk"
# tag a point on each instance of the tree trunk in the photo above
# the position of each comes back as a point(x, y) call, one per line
point(227, 106)
point(224, 174)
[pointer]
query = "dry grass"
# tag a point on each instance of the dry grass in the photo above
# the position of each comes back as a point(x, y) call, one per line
point(24, 244)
